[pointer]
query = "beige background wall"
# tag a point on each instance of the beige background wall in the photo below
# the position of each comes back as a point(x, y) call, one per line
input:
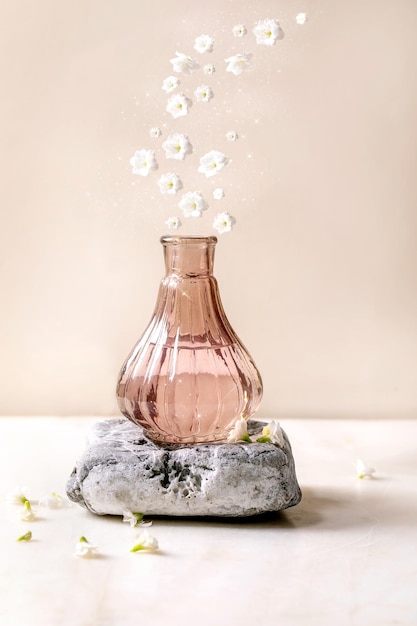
point(319, 277)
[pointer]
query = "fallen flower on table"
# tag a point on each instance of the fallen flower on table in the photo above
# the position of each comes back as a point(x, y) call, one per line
point(54, 501)
point(145, 542)
point(239, 432)
point(17, 497)
point(26, 537)
point(135, 519)
point(27, 514)
point(85, 549)
point(363, 470)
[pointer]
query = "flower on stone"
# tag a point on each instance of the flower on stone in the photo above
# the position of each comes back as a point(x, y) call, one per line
point(301, 18)
point(54, 501)
point(85, 549)
point(26, 537)
point(27, 514)
point(218, 193)
point(203, 93)
point(363, 470)
point(224, 222)
point(183, 64)
point(239, 30)
point(238, 63)
point(203, 43)
point(169, 183)
point(177, 146)
point(145, 542)
point(178, 105)
point(212, 162)
point(17, 497)
point(134, 519)
point(209, 69)
point(170, 83)
point(272, 433)
point(267, 32)
point(239, 432)
point(155, 132)
point(231, 135)
point(143, 161)
point(173, 222)
point(193, 204)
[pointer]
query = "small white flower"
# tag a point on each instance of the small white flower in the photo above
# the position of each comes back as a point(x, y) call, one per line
point(26, 537)
point(145, 541)
point(193, 204)
point(54, 501)
point(135, 519)
point(212, 162)
point(173, 222)
point(178, 105)
point(169, 183)
point(85, 549)
point(177, 146)
point(231, 135)
point(301, 18)
point(267, 32)
point(183, 64)
point(204, 43)
point(272, 433)
point(363, 470)
point(218, 193)
point(170, 83)
point(223, 222)
point(239, 432)
point(238, 63)
point(143, 161)
point(239, 30)
point(17, 497)
point(155, 132)
point(203, 93)
point(27, 514)
point(209, 69)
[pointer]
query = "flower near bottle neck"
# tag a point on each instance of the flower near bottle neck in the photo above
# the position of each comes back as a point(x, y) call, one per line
point(239, 432)
point(192, 204)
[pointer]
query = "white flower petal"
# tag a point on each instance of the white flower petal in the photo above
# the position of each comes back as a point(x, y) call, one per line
point(155, 132)
point(204, 43)
point(177, 146)
point(169, 183)
point(363, 470)
point(173, 222)
point(193, 204)
point(143, 161)
point(178, 105)
point(183, 64)
point(238, 63)
point(239, 30)
point(145, 541)
point(267, 32)
point(209, 69)
point(239, 432)
point(231, 135)
point(224, 222)
point(85, 549)
point(301, 18)
point(170, 83)
point(218, 193)
point(212, 162)
point(203, 93)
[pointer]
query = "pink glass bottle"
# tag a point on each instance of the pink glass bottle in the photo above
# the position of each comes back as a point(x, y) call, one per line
point(189, 378)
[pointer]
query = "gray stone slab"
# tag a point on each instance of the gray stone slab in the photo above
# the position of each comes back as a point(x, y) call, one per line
point(122, 469)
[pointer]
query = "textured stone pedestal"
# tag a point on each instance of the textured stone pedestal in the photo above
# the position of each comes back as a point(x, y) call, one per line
point(122, 469)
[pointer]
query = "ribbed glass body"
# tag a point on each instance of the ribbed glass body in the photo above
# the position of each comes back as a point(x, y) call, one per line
point(189, 378)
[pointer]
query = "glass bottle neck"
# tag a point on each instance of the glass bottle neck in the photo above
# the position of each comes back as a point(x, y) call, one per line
point(189, 256)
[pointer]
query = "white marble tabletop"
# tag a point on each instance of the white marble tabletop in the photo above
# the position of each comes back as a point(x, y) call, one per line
point(345, 556)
